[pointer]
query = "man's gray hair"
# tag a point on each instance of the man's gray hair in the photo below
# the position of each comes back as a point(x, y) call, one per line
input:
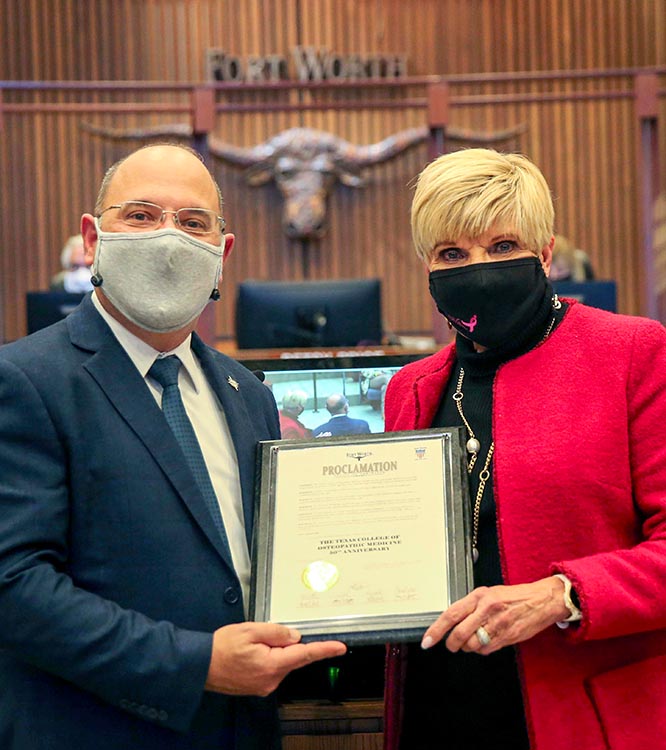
point(336, 403)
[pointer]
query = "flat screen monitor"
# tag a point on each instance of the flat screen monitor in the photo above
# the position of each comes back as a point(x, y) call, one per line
point(361, 378)
point(45, 308)
point(276, 314)
point(601, 294)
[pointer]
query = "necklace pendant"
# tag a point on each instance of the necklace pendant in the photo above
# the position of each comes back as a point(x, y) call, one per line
point(475, 555)
point(473, 445)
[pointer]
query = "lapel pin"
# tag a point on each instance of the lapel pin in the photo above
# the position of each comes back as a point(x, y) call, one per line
point(233, 383)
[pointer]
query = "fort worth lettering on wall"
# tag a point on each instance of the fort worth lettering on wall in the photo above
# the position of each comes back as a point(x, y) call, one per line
point(304, 64)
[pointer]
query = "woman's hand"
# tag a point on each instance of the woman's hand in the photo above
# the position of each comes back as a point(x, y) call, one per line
point(507, 614)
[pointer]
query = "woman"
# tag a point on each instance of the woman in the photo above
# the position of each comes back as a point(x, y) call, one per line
point(570, 263)
point(564, 408)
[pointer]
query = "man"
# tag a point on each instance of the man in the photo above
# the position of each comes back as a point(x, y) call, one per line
point(293, 405)
point(122, 593)
point(340, 423)
point(75, 274)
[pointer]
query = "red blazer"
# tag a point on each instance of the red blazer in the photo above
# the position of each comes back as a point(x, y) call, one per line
point(579, 475)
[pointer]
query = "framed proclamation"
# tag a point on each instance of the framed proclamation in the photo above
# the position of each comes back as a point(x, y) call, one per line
point(363, 539)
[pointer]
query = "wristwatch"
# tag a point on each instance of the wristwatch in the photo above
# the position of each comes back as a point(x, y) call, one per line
point(574, 612)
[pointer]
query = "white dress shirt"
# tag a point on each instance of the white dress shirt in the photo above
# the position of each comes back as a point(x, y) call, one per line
point(211, 428)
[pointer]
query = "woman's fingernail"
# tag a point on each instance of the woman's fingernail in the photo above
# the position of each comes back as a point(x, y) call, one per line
point(426, 642)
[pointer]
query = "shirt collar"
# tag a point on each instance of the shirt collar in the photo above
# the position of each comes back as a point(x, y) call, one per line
point(143, 355)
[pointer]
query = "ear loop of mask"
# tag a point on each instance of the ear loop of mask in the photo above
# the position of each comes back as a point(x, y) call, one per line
point(215, 294)
point(96, 278)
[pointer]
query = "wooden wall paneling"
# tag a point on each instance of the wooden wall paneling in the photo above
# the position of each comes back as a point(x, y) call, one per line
point(659, 208)
point(629, 263)
point(614, 196)
point(10, 268)
point(659, 218)
point(624, 241)
point(19, 236)
point(583, 226)
point(50, 198)
point(7, 271)
point(587, 148)
point(590, 213)
point(407, 305)
point(41, 174)
point(261, 250)
point(617, 207)
point(599, 216)
point(366, 741)
point(440, 35)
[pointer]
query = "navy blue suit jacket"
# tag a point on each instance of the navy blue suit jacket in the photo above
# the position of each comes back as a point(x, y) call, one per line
point(112, 576)
point(342, 425)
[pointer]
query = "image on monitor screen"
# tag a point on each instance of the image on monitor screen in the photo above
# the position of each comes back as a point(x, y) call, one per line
point(361, 380)
point(276, 314)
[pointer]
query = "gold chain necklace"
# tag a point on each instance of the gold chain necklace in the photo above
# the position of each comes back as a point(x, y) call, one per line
point(474, 446)
point(552, 323)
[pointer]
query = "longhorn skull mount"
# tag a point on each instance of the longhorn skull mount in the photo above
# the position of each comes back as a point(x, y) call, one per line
point(305, 163)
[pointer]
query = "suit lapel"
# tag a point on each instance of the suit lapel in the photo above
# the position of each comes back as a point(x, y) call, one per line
point(126, 390)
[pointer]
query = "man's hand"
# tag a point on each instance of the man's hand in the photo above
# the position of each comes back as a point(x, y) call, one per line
point(508, 614)
point(252, 658)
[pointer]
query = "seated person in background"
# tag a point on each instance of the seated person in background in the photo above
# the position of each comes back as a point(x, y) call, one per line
point(373, 387)
point(293, 405)
point(75, 274)
point(339, 423)
point(569, 262)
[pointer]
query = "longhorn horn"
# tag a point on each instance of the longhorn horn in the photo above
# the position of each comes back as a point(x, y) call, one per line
point(241, 156)
point(179, 130)
point(479, 136)
point(375, 153)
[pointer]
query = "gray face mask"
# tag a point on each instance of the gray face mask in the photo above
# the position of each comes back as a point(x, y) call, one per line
point(159, 280)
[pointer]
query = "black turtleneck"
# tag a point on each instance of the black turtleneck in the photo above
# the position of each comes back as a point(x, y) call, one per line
point(467, 700)
point(477, 388)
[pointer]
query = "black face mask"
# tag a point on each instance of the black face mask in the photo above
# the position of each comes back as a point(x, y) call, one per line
point(490, 303)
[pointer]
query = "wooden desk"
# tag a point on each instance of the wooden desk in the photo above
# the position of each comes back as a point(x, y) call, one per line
point(322, 725)
point(229, 348)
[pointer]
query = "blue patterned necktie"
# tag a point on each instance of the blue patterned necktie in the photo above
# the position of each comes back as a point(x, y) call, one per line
point(165, 372)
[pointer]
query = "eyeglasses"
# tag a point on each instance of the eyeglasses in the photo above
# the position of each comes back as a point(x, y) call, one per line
point(147, 216)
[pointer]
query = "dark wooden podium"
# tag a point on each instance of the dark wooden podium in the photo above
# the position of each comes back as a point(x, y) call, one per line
point(323, 725)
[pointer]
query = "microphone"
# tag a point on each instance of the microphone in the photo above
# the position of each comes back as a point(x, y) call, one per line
point(96, 280)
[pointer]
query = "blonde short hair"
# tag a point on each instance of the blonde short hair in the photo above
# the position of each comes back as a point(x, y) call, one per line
point(463, 194)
